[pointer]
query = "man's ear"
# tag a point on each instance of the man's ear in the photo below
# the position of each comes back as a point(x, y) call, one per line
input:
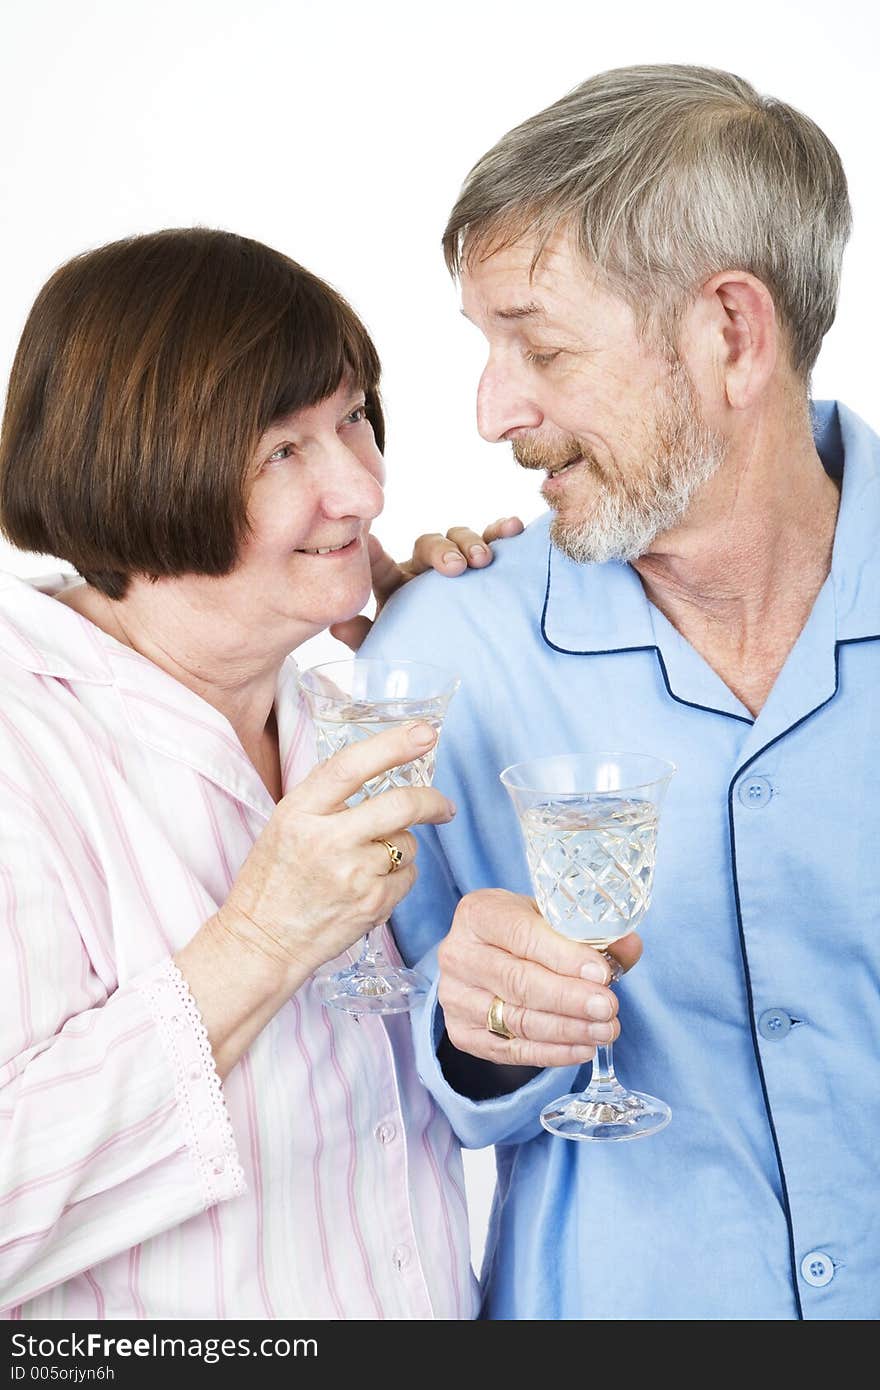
point(737, 311)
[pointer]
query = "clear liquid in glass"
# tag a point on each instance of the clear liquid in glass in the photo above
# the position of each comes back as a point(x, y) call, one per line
point(350, 723)
point(592, 864)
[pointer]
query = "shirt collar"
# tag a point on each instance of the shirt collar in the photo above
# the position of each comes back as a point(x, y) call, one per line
point(50, 639)
point(597, 609)
point(848, 447)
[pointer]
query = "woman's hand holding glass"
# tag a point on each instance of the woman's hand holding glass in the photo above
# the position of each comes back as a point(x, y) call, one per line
point(319, 875)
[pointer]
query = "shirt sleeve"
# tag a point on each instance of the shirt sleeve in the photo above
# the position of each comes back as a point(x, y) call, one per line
point(113, 1125)
point(508, 1119)
point(452, 639)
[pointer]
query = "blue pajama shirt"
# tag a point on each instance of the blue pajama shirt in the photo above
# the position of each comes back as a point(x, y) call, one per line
point(754, 1011)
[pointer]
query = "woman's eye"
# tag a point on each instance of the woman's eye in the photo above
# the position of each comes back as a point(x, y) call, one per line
point(541, 359)
point(283, 451)
point(355, 416)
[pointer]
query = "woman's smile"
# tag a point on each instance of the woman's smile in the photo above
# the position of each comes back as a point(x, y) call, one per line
point(338, 549)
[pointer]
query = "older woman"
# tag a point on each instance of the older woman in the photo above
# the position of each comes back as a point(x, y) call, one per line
point(193, 421)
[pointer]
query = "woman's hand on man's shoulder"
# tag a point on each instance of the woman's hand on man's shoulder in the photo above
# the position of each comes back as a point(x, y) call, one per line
point(460, 549)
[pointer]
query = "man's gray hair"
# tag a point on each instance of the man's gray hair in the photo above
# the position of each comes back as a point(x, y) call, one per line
point(668, 175)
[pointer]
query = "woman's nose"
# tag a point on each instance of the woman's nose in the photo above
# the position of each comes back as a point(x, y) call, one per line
point(503, 404)
point(350, 487)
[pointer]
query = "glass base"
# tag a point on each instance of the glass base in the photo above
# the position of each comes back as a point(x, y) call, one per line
point(373, 989)
point(605, 1114)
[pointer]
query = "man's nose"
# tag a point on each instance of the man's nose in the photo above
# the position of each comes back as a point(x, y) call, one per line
point(504, 405)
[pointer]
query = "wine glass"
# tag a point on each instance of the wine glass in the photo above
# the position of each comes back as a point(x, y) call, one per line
point(349, 701)
point(589, 821)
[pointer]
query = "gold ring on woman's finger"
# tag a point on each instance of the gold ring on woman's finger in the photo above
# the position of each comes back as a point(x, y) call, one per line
point(395, 855)
point(495, 1020)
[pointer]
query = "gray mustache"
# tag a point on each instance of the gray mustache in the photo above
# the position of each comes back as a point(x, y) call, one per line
point(537, 457)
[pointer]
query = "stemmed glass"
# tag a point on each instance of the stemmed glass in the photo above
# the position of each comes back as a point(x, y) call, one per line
point(590, 826)
point(349, 701)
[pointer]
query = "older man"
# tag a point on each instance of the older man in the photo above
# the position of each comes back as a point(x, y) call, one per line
point(654, 262)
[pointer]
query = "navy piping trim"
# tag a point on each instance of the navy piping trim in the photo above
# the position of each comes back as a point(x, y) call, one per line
point(844, 642)
point(617, 651)
point(786, 1205)
point(613, 651)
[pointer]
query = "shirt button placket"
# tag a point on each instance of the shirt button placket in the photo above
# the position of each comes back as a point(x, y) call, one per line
point(754, 792)
point(401, 1251)
point(774, 1024)
point(401, 1256)
point(817, 1269)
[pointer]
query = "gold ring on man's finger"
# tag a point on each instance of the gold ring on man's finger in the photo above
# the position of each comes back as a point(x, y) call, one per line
point(395, 855)
point(495, 1020)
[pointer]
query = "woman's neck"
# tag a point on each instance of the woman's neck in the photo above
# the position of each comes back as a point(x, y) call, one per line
point(218, 654)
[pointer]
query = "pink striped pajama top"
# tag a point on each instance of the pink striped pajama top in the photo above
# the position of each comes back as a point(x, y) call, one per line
point(319, 1180)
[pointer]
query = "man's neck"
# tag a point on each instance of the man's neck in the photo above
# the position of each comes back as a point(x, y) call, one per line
point(740, 578)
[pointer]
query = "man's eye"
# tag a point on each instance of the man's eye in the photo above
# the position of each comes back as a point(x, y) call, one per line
point(541, 359)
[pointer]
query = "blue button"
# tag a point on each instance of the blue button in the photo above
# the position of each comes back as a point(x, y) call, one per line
point(817, 1268)
point(774, 1024)
point(754, 792)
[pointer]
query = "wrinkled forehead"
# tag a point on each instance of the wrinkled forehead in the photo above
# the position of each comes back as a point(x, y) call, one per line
point(531, 282)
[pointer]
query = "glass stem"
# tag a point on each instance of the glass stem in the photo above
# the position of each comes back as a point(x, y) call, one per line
point(603, 1079)
point(371, 951)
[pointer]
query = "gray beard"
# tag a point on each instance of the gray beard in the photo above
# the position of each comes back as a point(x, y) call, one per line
point(623, 528)
point(624, 523)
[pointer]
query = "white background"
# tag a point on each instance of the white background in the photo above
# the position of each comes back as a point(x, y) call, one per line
point(340, 133)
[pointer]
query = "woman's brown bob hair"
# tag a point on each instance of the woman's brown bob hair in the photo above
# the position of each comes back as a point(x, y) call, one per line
point(146, 373)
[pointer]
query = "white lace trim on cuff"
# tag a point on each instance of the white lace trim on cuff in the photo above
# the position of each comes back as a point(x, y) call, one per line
point(202, 1106)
